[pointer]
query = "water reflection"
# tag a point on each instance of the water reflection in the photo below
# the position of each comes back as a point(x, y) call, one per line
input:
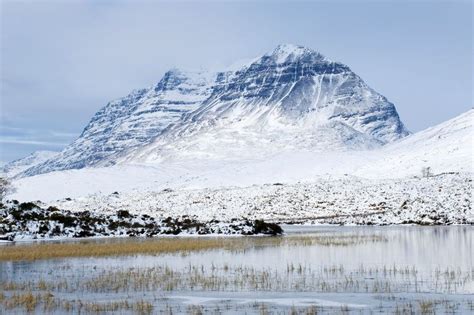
point(355, 252)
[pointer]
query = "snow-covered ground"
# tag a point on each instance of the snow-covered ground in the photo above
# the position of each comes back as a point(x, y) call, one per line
point(435, 200)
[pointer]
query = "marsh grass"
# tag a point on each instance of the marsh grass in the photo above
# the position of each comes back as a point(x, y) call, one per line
point(47, 303)
point(431, 306)
point(115, 248)
point(134, 282)
point(156, 246)
point(26, 300)
point(121, 289)
point(225, 277)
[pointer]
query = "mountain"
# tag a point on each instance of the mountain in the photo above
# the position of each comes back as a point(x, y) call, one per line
point(289, 99)
point(292, 98)
point(14, 168)
point(132, 121)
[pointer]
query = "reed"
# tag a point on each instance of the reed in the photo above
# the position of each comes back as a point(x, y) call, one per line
point(156, 246)
point(226, 277)
point(115, 248)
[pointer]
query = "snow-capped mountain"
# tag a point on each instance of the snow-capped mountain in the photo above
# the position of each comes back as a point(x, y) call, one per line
point(132, 121)
point(15, 167)
point(290, 98)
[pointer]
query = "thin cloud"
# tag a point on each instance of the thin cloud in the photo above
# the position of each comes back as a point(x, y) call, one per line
point(42, 132)
point(31, 142)
point(61, 134)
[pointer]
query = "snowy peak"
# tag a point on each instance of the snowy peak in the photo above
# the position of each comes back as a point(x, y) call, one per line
point(185, 82)
point(287, 53)
point(291, 98)
point(299, 82)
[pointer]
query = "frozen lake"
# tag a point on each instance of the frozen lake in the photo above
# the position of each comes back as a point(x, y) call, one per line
point(312, 269)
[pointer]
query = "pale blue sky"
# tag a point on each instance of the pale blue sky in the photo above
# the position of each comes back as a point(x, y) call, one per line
point(63, 60)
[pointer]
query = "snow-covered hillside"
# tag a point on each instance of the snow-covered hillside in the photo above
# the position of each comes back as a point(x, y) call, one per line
point(132, 121)
point(290, 99)
point(447, 147)
point(15, 167)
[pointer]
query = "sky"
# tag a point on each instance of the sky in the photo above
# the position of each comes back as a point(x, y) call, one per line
point(61, 61)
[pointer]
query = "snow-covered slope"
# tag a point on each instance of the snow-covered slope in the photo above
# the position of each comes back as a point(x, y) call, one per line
point(14, 168)
point(447, 147)
point(132, 121)
point(291, 98)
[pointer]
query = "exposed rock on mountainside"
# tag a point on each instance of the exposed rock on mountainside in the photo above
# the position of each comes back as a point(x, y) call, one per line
point(291, 98)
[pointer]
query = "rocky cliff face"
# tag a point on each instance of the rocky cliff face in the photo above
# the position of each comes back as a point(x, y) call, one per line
point(291, 98)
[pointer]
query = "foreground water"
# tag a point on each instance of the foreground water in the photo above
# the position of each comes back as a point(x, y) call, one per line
point(399, 269)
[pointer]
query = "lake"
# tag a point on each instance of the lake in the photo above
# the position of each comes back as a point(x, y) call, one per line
point(309, 270)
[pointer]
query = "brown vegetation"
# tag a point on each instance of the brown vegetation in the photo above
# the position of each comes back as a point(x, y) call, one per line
point(110, 248)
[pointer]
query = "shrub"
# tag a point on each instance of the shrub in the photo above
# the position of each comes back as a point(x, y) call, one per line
point(67, 221)
point(25, 206)
point(426, 171)
point(261, 227)
point(5, 187)
point(123, 214)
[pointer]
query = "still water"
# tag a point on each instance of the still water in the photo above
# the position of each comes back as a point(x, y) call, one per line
point(312, 269)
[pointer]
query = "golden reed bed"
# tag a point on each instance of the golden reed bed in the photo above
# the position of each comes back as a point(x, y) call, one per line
point(38, 251)
point(155, 246)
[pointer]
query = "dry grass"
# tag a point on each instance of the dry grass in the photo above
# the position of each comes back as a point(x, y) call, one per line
point(115, 248)
point(122, 290)
point(47, 303)
point(123, 247)
point(296, 278)
point(27, 300)
point(427, 307)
